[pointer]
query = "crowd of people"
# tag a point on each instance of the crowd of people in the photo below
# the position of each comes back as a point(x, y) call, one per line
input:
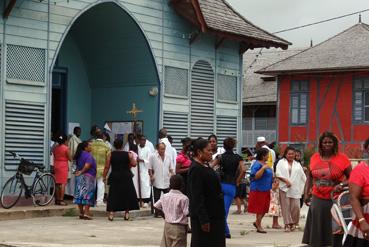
point(194, 189)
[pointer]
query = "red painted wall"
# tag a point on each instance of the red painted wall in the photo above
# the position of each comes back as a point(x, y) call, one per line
point(330, 108)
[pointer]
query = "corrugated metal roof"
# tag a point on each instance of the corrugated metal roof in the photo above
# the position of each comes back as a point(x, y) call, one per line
point(255, 88)
point(348, 50)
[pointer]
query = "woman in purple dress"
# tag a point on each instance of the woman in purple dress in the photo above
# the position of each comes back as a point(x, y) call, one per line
point(84, 195)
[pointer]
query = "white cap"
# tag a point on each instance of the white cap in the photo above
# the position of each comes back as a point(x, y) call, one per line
point(261, 139)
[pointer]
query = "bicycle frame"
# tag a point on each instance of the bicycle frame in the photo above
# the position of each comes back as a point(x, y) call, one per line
point(28, 189)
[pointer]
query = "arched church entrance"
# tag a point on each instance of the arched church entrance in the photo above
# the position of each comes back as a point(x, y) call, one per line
point(103, 66)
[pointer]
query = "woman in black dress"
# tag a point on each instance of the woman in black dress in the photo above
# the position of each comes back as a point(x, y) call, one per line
point(206, 199)
point(122, 194)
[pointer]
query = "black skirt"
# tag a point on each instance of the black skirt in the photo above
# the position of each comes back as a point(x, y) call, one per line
point(122, 194)
point(214, 238)
point(318, 227)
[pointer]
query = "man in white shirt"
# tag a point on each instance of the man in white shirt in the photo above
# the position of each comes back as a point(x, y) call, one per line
point(168, 146)
point(261, 142)
point(73, 142)
point(160, 170)
point(144, 152)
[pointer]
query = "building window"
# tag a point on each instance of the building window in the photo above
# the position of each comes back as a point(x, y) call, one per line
point(361, 100)
point(176, 81)
point(227, 88)
point(299, 102)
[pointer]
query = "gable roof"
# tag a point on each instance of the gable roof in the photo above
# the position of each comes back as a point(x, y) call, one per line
point(346, 51)
point(257, 88)
point(219, 17)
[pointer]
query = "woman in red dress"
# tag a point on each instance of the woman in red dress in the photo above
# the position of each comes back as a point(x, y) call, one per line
point(61, 158)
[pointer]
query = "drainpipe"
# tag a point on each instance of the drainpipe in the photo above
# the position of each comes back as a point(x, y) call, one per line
point(49, 90)
point(2, 108)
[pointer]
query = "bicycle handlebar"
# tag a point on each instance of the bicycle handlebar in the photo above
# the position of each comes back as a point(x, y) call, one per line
point(38, 166)
point(13, 153)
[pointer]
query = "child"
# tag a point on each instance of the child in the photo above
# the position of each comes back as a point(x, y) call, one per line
point(174, 206)
point(275, 208)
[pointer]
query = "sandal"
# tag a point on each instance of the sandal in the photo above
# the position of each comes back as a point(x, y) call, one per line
point(237, 212)
point(81, 216)
point(277, 227)
point(111, 217)
point(126, 216)
point(87, 217)
point(62, 203)
point(292, 228)
point(287, 228)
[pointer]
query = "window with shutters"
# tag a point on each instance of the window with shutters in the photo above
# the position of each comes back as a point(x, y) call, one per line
point(226, 127)
point(202, 100)
point(361, 100)
point(299, 101)
point(176, 82)
point(177, 125)
point(227, 88)
point(24, 132)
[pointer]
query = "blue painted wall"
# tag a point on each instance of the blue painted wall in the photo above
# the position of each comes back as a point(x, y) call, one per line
point(116, 101)
point(109, 68)
point(78, 87)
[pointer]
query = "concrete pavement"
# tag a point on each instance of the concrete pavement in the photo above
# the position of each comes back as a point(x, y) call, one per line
point(143, 231)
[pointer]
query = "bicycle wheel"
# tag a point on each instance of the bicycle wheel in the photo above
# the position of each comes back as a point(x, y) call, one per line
point(43, 190)
point(11, 192)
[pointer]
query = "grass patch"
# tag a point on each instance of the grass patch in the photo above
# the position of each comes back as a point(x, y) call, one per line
point(71, 212)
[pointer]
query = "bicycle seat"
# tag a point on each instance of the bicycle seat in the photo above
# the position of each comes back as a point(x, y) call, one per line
point(40, 167)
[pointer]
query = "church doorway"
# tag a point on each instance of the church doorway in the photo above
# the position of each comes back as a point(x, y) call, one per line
point(104, 65)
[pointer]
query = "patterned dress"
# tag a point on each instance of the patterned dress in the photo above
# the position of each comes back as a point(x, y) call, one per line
point(84, 193)
point(274, 207)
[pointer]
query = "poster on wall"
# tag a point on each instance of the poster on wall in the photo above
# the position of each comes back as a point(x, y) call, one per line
point(121, 129)
point(71, 127)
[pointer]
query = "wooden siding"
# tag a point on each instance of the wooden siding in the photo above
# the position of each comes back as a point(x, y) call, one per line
point(32, 24)
point(330, 109)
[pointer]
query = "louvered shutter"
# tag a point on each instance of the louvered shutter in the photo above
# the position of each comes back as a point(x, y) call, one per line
point(24, 132)
point(226, 127)
point(177, 125)
point(202, 100)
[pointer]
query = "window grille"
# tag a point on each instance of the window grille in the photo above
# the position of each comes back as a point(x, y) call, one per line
point(176, 81)
point(227, 88)
point(26, 63)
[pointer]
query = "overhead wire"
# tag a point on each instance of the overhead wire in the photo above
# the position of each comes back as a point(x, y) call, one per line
point(308, 25)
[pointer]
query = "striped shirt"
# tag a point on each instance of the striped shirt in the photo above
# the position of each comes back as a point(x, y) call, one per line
point(174, 206)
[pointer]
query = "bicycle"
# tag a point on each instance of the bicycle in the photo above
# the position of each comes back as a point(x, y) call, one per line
point(41, 190)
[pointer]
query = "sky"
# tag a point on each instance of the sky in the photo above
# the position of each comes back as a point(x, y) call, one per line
point(276, 15)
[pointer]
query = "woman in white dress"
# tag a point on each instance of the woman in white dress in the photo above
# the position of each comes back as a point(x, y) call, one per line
point(293, 178)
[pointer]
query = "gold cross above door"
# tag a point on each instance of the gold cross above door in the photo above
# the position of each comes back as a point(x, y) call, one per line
point(134, 111)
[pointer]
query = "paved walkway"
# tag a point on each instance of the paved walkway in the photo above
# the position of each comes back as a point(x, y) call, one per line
point(144, 231)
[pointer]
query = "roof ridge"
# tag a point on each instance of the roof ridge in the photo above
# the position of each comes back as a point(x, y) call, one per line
point(270, 65)
point(321, 43)
point(252, 24)
point(277, 50)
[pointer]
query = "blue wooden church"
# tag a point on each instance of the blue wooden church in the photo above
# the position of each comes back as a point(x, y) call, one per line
point(87, 61)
